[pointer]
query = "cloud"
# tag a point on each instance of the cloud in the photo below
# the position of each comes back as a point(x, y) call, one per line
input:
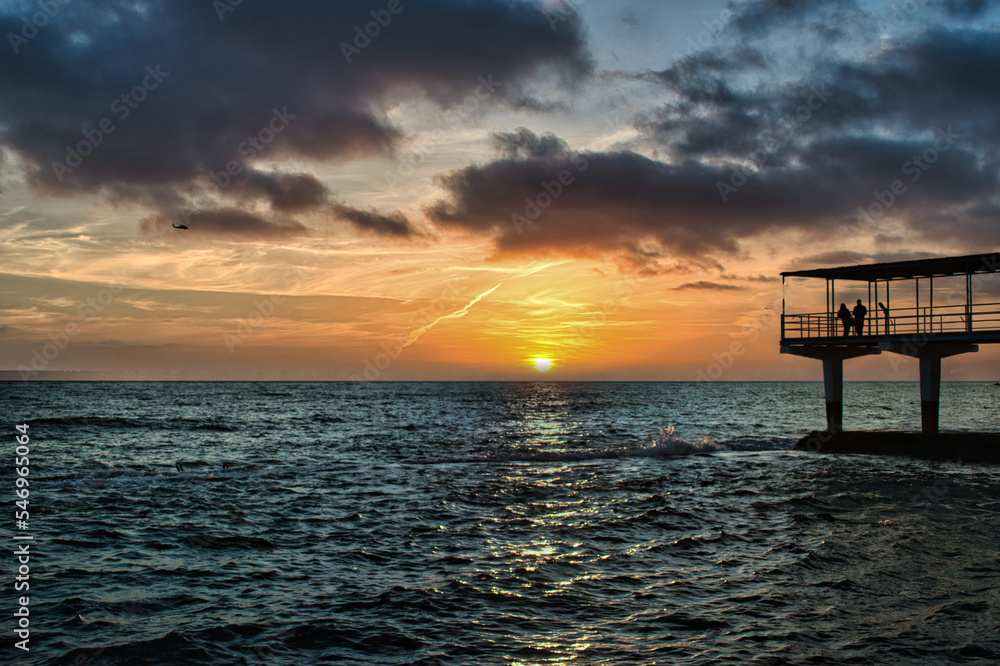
point(392, 225)
point(763, 135)
point(825, 18)
point(596, 204)
point(605, 202)
point(286, 192)
point(186, 90)
point(936, 79)
point(228, 223)
point(706, 285)
point(965, 8)
point(850, 258)
point(522, 142)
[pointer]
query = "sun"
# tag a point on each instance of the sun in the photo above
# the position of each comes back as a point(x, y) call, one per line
point(542, 364)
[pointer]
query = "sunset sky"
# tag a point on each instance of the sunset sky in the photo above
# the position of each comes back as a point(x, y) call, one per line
point(469, 186)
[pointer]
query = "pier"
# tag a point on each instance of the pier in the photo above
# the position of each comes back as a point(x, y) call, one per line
point(925, 309)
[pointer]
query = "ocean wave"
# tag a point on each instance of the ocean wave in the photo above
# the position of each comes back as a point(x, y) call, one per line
point(323, 418)
point(667, 445)
point(143, 423)
point(213, 542)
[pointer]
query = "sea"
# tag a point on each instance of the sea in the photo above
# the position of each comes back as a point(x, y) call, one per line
point(492, 523)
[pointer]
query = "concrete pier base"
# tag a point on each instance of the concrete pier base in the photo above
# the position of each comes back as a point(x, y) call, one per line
point(833, 358)
point(833, 387)
point(929, 353)
point(930, 393)
point(957, 446)
point(916, 328)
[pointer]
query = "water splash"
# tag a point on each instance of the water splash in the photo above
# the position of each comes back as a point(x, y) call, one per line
point(666, 444)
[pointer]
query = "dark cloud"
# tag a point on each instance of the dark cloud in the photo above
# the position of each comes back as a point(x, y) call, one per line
point(522, 142)
point(584, 203)
point(391, 225)
point(965, 8)
point(835, 258)
point(228, 223)
point(826, 18)
point(286, 192)
point(849, 258)
point(938, 78)
point(605, 203)
point(827, 136)
point(267, 80)
point(706, 285)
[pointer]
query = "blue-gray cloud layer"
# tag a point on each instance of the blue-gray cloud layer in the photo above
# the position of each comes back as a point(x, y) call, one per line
point(171, 92)
point(796, 116)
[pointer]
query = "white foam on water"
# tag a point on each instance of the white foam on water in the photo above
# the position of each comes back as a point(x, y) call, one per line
point(667, 444)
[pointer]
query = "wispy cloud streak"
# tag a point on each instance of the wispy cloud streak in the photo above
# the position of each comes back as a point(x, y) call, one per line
point(415, 335)
point(464, 310)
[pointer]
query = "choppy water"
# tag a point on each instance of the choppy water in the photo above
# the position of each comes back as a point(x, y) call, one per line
point(534, 523)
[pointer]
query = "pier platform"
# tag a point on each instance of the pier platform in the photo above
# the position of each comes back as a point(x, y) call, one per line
point(979, 447)
point(933, 309)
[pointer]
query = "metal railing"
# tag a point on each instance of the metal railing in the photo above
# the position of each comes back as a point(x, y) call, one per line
point(897, 321)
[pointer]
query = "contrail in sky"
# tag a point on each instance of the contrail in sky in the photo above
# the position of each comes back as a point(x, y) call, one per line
point(415, 335)
point(464, 310)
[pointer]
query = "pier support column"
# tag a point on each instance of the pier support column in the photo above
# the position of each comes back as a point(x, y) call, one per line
point(833, 357)
point(833, 384)
point(930, 393)
point(929, 353)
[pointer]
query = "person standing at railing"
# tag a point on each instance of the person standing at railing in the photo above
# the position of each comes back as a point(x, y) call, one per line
point(860, 312)
point(885, 311)
point(844, 315)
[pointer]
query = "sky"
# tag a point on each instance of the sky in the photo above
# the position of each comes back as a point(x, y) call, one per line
point(451, 190)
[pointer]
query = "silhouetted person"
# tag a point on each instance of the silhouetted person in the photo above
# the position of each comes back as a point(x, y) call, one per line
point(859, 318)
point(885, 311)
point(844, 315)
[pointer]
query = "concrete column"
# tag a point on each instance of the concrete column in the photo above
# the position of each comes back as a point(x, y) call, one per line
point(833, 357)
point(833, 384)
point(929, 354)
point(930, 393)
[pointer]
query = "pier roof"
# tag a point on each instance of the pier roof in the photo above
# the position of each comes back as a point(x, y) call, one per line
point(908, 270)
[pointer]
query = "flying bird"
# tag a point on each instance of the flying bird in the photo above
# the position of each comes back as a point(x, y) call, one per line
point(179, 226)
